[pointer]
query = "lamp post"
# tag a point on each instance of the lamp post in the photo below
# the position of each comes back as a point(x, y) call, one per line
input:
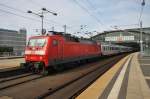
point(141, 34)
point(65, 27)
point(41, 15)
point(141, 39)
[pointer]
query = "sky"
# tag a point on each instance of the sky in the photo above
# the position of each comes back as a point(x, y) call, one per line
point(93, 15)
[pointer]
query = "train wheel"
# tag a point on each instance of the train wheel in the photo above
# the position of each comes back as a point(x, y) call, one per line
point(37, 71)
point(44, 71)
point(32, 69)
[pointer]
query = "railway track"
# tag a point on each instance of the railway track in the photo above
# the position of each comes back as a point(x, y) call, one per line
point(12, 72)
point(16, 80)
point(14, 77)
point(64, 85)
point(85, 80)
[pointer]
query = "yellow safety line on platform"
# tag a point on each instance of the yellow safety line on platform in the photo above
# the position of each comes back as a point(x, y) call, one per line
point(117, 85)
point(96, 89)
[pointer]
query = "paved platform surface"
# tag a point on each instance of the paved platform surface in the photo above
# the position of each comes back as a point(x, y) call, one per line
point(10, 57)
point(128, 79)
point(10, 63)
point(145, 67)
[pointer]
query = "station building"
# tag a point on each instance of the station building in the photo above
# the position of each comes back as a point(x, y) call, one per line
point(127, 37)
point(12, 42)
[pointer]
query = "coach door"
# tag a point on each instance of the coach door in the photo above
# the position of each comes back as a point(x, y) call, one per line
point(57, 47)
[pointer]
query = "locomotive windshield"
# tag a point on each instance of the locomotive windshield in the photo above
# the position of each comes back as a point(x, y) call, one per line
point(40, 42)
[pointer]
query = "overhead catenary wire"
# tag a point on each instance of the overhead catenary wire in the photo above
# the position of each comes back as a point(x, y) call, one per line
point(60, 24)
point(4, 5)
point(39, 4)
point(68, 27)
point(87, 11)
point(92, 6)
point(90, 14)
point(23, 14)
point(25, 17)
point(21, 11)
point(12, 13)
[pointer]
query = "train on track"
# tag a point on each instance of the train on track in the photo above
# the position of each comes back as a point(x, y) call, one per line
point(54, 49)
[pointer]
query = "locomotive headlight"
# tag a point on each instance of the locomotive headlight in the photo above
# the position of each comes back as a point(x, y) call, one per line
point(40, 52)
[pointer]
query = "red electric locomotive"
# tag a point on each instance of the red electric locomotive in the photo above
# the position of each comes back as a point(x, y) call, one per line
point(52, 50)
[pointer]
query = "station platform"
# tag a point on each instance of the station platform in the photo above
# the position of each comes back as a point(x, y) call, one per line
point(127, 79)
point(8, 64)
point(10, 57)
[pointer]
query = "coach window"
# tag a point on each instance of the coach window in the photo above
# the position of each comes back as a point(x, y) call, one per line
point(117, 48)
point(55, 42)
point(104, 48)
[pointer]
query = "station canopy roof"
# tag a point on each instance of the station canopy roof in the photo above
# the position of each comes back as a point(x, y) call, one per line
point(135, 30)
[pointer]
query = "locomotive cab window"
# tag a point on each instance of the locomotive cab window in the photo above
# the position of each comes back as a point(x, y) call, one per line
point(55, 42)
point(40, 42)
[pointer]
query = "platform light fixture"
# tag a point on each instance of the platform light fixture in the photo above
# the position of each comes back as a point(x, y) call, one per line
point(41, 15)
